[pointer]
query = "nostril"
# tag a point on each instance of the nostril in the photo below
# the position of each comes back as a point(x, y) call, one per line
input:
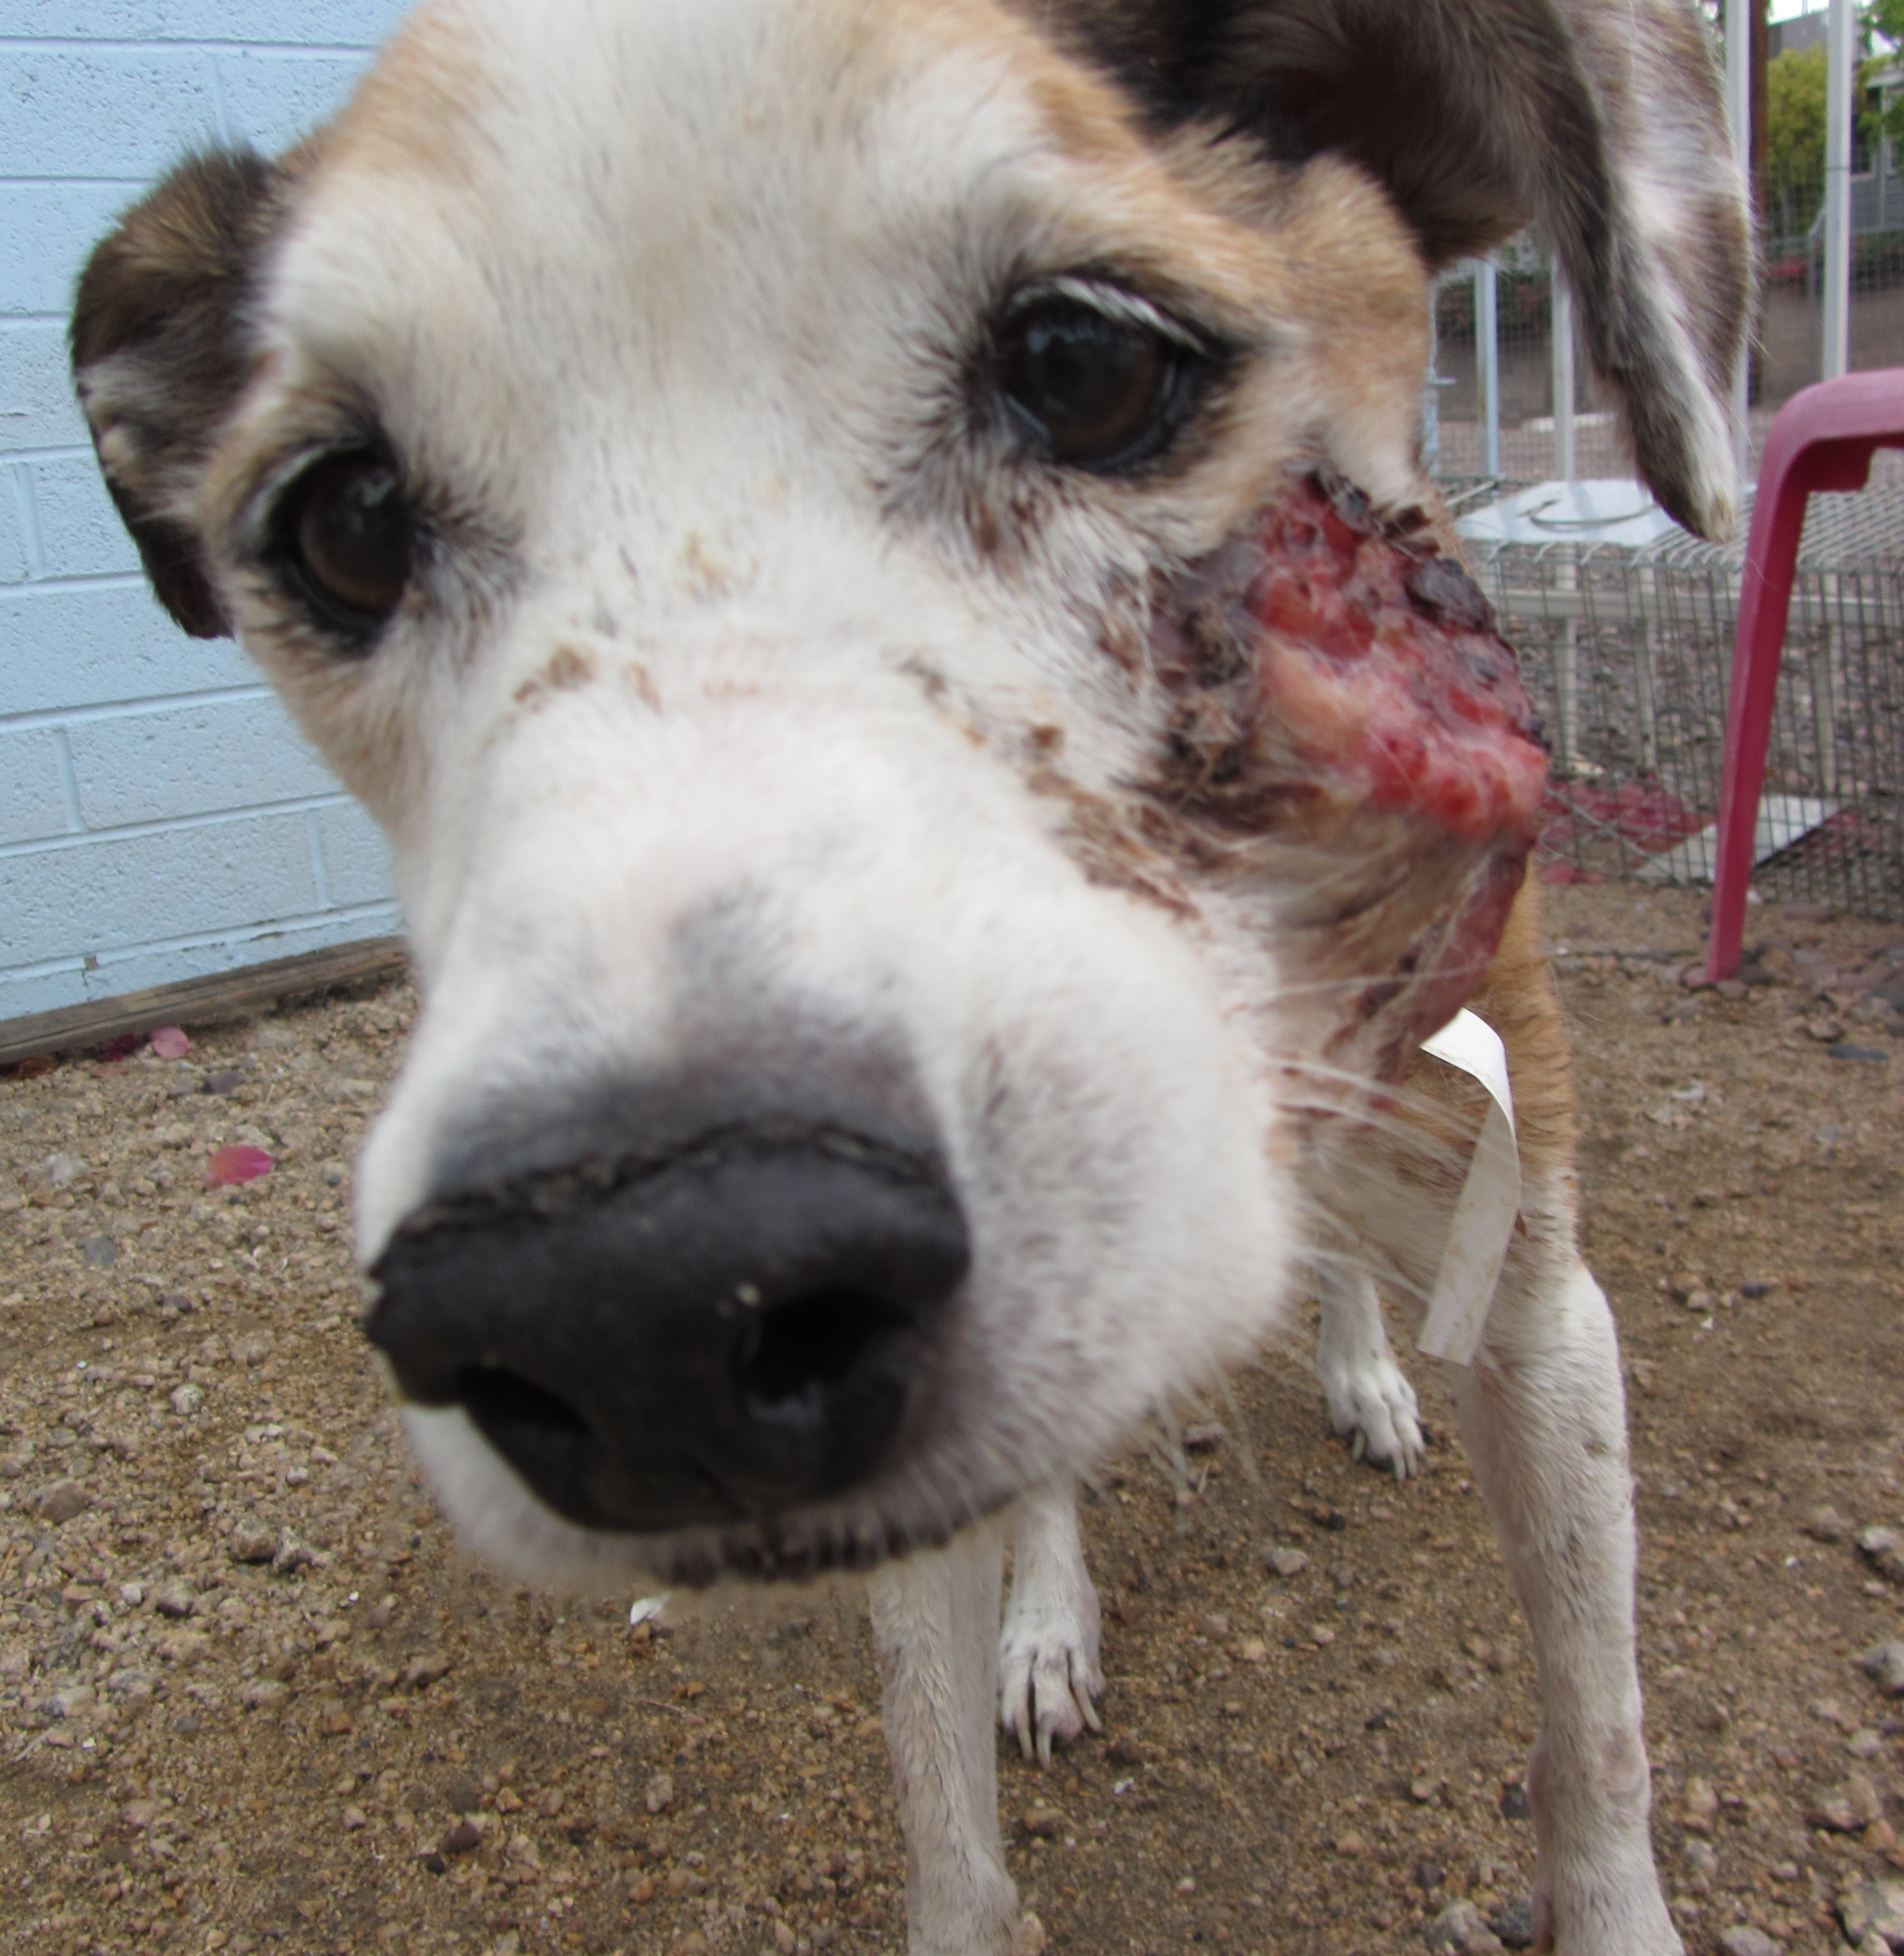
point(725, 1332)
point(790, 1358)
point(542, 1434)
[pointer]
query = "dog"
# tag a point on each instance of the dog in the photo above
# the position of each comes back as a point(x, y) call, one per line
point(873, 563)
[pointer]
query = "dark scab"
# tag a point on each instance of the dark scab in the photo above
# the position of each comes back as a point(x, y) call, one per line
point(1349, 503)
point(1445, 594)
point(1215, 638)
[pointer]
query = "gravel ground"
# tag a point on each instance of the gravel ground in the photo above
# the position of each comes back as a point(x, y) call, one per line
point(252, 1697)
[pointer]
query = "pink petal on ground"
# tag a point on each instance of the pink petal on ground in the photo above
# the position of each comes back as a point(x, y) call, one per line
point(169, 1042)
point(236, 1164)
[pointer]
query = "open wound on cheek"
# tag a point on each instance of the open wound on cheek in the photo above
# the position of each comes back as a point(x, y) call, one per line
point(1350, 727)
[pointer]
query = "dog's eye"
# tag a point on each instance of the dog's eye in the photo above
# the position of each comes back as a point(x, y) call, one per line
point(1098, 392)
point(346, 533)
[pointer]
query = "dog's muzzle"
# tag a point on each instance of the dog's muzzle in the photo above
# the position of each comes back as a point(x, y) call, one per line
point(720, 1334)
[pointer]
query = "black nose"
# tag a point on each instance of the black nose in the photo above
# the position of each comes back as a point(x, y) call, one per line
point(717, 1336)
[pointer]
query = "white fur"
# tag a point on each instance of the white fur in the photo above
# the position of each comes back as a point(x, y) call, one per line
point(1371, 1403)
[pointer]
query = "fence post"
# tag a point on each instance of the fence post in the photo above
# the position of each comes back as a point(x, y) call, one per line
point(1836, 357)
point(1487, 362)
point(1738, 114)
point(1560, 351)
point(1430, 384)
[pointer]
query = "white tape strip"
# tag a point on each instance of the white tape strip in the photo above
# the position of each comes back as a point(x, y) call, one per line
point(1484, 1218)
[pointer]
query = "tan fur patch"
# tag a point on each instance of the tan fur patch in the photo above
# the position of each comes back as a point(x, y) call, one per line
point(567, 667)
point(417, 109)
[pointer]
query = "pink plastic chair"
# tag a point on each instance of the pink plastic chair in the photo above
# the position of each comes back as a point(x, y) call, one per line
point(1823, 438)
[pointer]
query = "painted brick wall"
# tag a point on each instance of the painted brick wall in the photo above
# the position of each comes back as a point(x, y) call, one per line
point(159, 816)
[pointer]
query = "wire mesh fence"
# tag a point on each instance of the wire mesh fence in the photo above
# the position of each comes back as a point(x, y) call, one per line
point(1627, 646)
point(1628, 652)
point(1791, 336)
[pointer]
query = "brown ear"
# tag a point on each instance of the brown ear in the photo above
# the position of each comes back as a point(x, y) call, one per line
point(160, 354)
point(1600, 121)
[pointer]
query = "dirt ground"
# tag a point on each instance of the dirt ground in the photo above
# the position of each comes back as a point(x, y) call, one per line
point(252, 1698)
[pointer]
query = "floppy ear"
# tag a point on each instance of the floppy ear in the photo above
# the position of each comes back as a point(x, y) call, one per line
point(1600, 121)
point(160, 354)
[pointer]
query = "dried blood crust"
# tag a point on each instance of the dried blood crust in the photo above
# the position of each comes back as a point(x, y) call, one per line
point(1350, 731)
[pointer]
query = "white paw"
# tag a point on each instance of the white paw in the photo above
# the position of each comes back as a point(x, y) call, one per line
point(1048, 1674)
point(1372, 1405)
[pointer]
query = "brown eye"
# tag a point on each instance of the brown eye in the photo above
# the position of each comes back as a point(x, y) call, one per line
point(348, 537)
point(1098, 392)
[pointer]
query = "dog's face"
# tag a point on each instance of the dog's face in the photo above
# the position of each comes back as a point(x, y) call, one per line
point(778, 509)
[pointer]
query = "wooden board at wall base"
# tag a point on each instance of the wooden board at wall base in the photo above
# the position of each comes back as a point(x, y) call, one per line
point(203, 1001)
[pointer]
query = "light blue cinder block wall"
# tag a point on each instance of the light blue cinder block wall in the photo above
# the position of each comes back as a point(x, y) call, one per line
point(159, 817)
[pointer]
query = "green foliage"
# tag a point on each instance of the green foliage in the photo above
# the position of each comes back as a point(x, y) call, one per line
point(1794, 119)
point(1794, 134)
point(1884, 18)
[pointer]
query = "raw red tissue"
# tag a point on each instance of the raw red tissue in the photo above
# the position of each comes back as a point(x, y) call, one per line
point(1350, 728)
point(236, 1164)
point(1383, 670)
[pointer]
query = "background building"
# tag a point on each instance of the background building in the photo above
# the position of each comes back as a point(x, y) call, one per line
point(159, 816)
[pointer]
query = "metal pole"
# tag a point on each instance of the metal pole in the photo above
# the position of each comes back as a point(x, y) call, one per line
point(1839, 25)
point(1562, 353)
point(1430, 385)
point(1738, 115)
point(1487, 362)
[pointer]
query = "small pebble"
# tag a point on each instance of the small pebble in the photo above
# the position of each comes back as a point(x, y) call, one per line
point(1849, 1808)
point(1744, 1940)
point(1824, 1524)
point(1884, 1549)
point(1699, 1806)
point(173, 1599)
point(186, 1399)
point(1873, 1908)
point(1514, 1924)
point(660, 1796)
point(1883, 1663)
point(1459, 1929)
point(252, 1541)
point(1287, 1562)
point(60, 1503)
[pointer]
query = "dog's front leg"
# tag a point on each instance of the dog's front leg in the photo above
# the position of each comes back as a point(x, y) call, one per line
point(935, 1622)
point(1544, 1419)
point(1049, 1676)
